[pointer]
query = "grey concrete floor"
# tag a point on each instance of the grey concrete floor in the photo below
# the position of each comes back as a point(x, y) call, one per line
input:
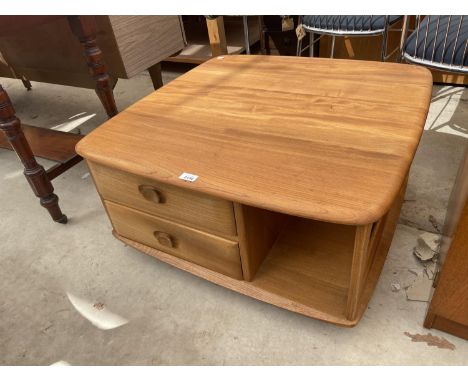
point(173, 317)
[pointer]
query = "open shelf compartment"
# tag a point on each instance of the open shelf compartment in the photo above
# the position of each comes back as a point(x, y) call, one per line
point(308, 265)
point(310, 278)
point(318, 269)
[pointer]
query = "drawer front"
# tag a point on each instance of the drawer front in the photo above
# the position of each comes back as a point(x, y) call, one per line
point(188, 207)
point(212, 252)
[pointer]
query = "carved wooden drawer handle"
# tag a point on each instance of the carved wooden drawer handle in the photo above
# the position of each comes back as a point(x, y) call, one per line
point(164, 239)
point(150, 193)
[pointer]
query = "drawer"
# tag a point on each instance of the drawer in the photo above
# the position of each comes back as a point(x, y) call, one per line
point(210, 251)
point(187, 207)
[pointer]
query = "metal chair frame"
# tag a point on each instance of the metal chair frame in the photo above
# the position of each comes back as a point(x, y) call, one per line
point(350, 33)
point(411, 58)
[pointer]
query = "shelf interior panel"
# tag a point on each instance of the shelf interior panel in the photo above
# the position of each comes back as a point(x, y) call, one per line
point(310, 264)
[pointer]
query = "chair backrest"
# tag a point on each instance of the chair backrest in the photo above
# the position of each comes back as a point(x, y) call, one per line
point(346, 25)
point(436, 41)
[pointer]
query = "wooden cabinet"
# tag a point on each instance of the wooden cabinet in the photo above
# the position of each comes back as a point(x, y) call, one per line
point(310, 153)
point(300, 264)
point(448, 310)
point(50, 53)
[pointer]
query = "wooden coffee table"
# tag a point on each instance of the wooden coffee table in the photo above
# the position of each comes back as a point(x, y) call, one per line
point(295, 170)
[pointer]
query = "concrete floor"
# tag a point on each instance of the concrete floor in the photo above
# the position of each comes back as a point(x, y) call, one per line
point(173, 317)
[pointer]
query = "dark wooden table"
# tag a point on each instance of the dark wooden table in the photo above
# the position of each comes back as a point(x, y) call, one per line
point(30, 141)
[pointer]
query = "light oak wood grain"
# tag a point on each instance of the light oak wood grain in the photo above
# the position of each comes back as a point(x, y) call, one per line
point(308, 269)
point(378, 230)
point(258, 231)
point(449, 78)
point(217, 36)
point(308, 137)
point(313, 153)
point(308, 265)
point(212, 252)
point(376, 236)
point(358, 268)
point(198, 210)
point(383, 242)
point(292, 281)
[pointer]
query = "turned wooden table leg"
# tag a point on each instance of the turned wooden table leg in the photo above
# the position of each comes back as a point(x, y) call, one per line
point(84, 27)
point(34, 172)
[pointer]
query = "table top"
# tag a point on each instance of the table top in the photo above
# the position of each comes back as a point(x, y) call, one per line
point(324, 139)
